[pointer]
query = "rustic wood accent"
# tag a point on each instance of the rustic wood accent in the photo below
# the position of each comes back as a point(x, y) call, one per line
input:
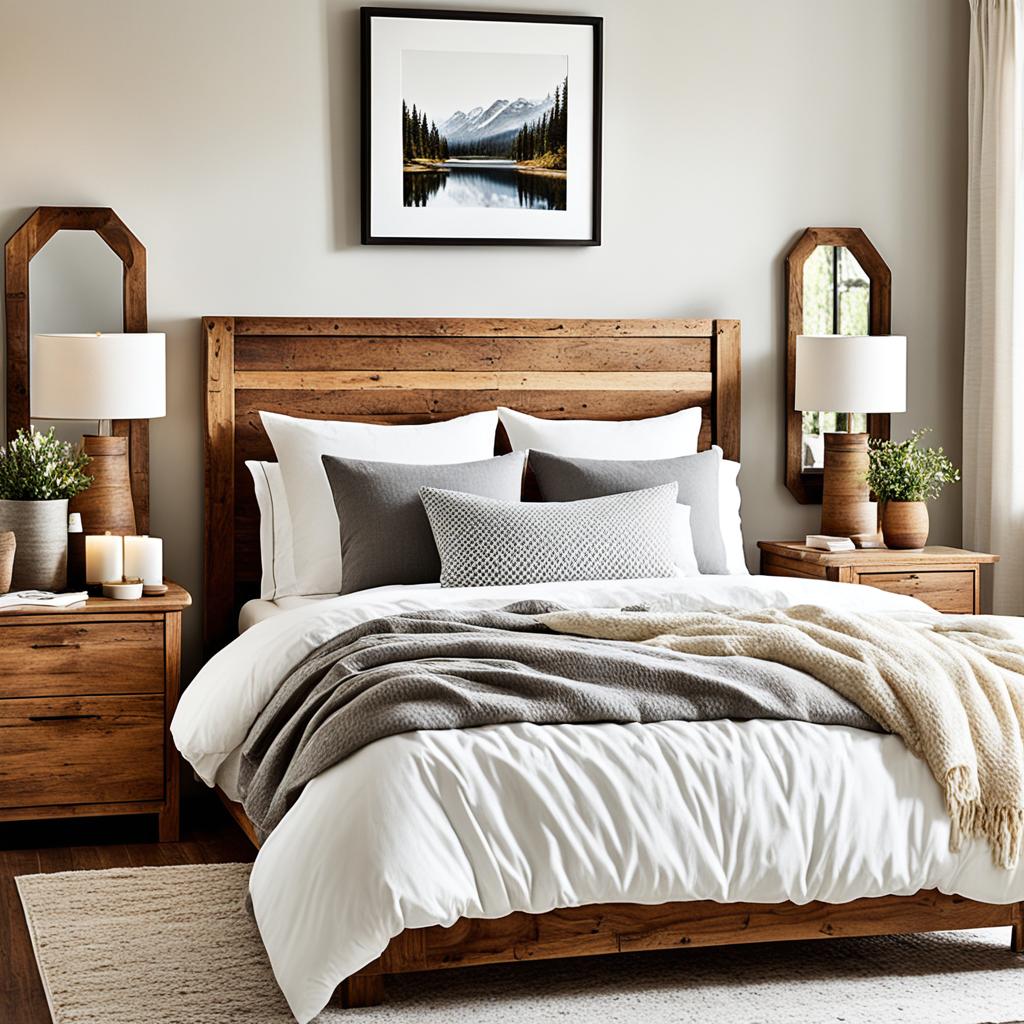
point(424, 370)
point(806, 486)
point(846, 508)
point(106, 505)
point(86, 697)
point(22, 246)
point(36, 661)
point(947, 579)
point(69, 750)
point(237, 812)
point(629, 928)
point(905, 524)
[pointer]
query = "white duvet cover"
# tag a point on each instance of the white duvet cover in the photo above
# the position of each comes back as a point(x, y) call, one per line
point(424, 828)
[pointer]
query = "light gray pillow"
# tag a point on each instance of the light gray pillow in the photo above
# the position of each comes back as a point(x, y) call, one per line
point(484, 543)
point(564, 479)
point(385, 536)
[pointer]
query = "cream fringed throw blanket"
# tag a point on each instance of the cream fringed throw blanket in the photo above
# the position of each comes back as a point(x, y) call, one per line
point(953, 690)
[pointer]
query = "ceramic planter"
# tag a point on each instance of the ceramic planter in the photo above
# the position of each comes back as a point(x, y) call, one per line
point(40, 530)
point(905, 524)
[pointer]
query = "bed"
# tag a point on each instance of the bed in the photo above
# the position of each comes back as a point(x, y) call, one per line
point(415, 371)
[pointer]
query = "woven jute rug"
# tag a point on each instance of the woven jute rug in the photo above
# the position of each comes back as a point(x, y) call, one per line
point(174, 945)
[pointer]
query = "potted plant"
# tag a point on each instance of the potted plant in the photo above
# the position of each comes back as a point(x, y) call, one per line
point(38, 474)
point(903, 477)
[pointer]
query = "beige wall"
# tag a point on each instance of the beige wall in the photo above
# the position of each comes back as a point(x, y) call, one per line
point(225, 134)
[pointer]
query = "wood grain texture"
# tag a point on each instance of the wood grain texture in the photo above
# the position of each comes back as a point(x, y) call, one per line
point(36, 660)
point(806, 486)
point(943, 589)
point(468, 327)
point(70, 750)
point(22, 246)
point(219, 490)
point(86, 698)
point(401, 371)
point(947, 579)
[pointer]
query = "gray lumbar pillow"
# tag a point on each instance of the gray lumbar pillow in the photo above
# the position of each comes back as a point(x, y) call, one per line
point(486, 543)
point(563, 479)
point(385, 536)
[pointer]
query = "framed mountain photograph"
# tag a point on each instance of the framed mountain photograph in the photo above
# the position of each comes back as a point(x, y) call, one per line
point(480, 128)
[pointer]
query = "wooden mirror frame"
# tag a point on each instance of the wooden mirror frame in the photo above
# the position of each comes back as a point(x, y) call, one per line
point(18, 253)
point(805, 485)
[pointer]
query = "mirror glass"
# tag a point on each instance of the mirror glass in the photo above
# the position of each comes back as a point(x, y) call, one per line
point(74, 288)
point(836, 300)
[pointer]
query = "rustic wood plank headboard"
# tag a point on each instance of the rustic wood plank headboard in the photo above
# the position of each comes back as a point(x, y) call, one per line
point(420, 370)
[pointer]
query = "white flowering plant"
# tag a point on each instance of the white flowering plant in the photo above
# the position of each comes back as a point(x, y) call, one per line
point(904, 471)
point(40, 467)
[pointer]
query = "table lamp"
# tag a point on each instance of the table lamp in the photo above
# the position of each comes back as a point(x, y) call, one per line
point(851, 374)
point(100, 377)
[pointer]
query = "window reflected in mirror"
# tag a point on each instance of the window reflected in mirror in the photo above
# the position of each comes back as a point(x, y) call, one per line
point(836, 300)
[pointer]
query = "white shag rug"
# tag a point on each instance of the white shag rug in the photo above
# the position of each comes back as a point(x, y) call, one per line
point(174, 945)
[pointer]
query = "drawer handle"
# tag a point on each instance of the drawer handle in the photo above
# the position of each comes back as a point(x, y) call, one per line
point(914, 576)
point(60, 718)
point(45, 647)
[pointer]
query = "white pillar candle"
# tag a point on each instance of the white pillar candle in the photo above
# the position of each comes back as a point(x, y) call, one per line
point(103, 558)
point(144, 559)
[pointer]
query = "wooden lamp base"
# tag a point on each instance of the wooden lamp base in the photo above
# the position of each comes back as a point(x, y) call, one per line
point(107, 504)
point(846, 508)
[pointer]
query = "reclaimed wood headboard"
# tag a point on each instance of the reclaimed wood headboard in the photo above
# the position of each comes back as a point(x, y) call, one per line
point(419, 370)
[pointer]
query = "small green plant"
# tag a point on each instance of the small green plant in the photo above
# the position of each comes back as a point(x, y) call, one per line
point(904, 471)
point(39, 467)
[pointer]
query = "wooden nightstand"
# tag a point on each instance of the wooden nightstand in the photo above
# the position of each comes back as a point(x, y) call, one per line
point(948, 579)
point(86, 695)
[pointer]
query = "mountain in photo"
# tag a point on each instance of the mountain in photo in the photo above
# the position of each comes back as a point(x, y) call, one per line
point(501, 118)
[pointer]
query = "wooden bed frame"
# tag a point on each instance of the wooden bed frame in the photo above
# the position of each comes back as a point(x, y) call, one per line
point(420, 370)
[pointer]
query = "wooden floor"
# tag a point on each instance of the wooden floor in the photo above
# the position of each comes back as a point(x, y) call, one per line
point(208, 836)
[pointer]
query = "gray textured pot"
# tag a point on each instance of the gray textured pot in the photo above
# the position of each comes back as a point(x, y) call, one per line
point(40, 530)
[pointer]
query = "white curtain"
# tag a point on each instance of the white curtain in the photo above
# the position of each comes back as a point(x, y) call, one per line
point(993, 456)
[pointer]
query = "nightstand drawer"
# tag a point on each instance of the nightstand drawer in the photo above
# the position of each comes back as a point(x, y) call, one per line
point(82, 658)
point(81, 750)
point(951, 591)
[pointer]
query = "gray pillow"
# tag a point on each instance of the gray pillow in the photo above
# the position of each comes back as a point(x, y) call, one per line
point(564, 479)
point(484, 543)
point(385, 536)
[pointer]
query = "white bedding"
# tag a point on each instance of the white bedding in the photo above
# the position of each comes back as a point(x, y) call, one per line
point(261, 608)
point(427, 827)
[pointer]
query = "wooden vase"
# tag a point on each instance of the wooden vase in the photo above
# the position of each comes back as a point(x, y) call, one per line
point(846, 508)
point(106, 506)
point(905, 524)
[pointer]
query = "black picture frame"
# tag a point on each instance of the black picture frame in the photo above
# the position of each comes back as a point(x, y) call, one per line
point(367, 17)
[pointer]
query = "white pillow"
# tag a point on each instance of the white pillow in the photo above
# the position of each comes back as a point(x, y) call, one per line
point(660, 437)
point(683, 555)
point(299, 443)
point(729, 518)
point(277, 563)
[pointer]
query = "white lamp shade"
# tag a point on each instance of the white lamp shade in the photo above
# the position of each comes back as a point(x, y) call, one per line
point(98, 376)
point(839, 373)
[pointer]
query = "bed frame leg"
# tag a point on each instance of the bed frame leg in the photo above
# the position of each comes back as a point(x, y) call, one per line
point(362, 990)
point(1017, 929)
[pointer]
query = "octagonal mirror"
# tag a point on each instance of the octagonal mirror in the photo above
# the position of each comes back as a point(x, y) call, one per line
point(836, 283)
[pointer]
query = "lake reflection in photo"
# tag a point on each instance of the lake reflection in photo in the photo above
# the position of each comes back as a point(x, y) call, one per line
point(494, 184)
